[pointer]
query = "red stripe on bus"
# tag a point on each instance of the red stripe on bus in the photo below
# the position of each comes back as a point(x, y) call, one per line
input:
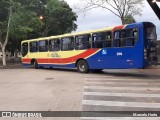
point(118, 27)
point(26, 60)
point(73, 59)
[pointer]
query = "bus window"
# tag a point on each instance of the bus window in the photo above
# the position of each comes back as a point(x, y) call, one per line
point(125, 38)
point(117, 40)
point(83, 42)
point(67, 43)
point(33, 47)
point(151, 33)
point(108, 39)
point(101, 40)
point(43, 46)
point(24, 49)
point(131, 38)
point(54, 45)
point(123, 35)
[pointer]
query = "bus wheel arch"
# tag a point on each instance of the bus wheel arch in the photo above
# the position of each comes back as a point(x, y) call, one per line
point(34, 62)
point(82, 66)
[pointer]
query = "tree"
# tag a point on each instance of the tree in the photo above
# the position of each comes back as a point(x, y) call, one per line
point(5, 27)
point(19, 19)
point(58, 18)
point(128, 19)
point(120, 8)
point(15, 23)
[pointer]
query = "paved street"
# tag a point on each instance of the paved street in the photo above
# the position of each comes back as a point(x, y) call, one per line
point(40, 90)
point(27, 89)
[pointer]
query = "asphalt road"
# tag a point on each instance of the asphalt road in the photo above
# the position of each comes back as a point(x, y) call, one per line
point(27, 89)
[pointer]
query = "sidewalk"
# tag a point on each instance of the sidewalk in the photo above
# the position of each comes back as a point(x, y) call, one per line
point(154, 67)
point(10, 65)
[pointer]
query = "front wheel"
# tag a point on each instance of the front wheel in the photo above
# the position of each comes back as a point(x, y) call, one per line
point(82, 66)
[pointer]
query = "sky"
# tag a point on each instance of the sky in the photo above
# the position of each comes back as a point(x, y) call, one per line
point(101, 18)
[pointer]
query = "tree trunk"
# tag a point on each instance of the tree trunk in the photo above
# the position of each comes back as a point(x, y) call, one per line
point(3, 45)
point(122, 20)
point(3, 56)
point(15, 54)
point(45, 33)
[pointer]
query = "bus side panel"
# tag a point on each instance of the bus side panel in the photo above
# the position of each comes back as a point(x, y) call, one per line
point(57, 65)
point(119, 58)
point(116, 59)
point(26, 62)
point(66, 59)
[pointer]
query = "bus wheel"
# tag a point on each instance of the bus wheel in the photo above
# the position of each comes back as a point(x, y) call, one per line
point(82, 66)
point(35, 64)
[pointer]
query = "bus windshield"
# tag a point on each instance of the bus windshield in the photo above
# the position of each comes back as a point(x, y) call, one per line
point(24, 49)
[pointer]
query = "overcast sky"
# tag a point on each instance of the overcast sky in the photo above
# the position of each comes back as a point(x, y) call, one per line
point(100, 18)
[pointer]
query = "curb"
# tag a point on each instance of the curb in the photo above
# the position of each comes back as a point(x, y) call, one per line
point(10, 65)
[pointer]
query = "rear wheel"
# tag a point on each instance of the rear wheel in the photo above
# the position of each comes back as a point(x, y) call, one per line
point(82, 66)
point(35, 65)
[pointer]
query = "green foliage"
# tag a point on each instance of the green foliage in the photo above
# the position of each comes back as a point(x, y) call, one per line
point(128, 19)
point(3, 10)
point(58, 18)
point(26, 24)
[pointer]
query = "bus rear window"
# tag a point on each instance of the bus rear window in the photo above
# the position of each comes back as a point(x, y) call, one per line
point(151, 33)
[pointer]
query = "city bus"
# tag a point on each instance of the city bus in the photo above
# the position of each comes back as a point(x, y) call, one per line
point(131, 46)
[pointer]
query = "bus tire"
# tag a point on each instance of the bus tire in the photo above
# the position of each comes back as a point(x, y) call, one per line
point(35, 65)
point(82, 66)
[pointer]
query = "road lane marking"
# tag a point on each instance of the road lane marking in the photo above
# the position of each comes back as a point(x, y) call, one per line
point(110, 84)
point(119, 83)
point(121, 88)
point(123, 79)
point(121, 104)
point(121, 94)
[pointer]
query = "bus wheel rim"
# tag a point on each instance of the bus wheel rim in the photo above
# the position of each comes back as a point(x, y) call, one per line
point(82, 67)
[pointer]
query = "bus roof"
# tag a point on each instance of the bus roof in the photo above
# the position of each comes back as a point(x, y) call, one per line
point(72, 34)
point(81, 33)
